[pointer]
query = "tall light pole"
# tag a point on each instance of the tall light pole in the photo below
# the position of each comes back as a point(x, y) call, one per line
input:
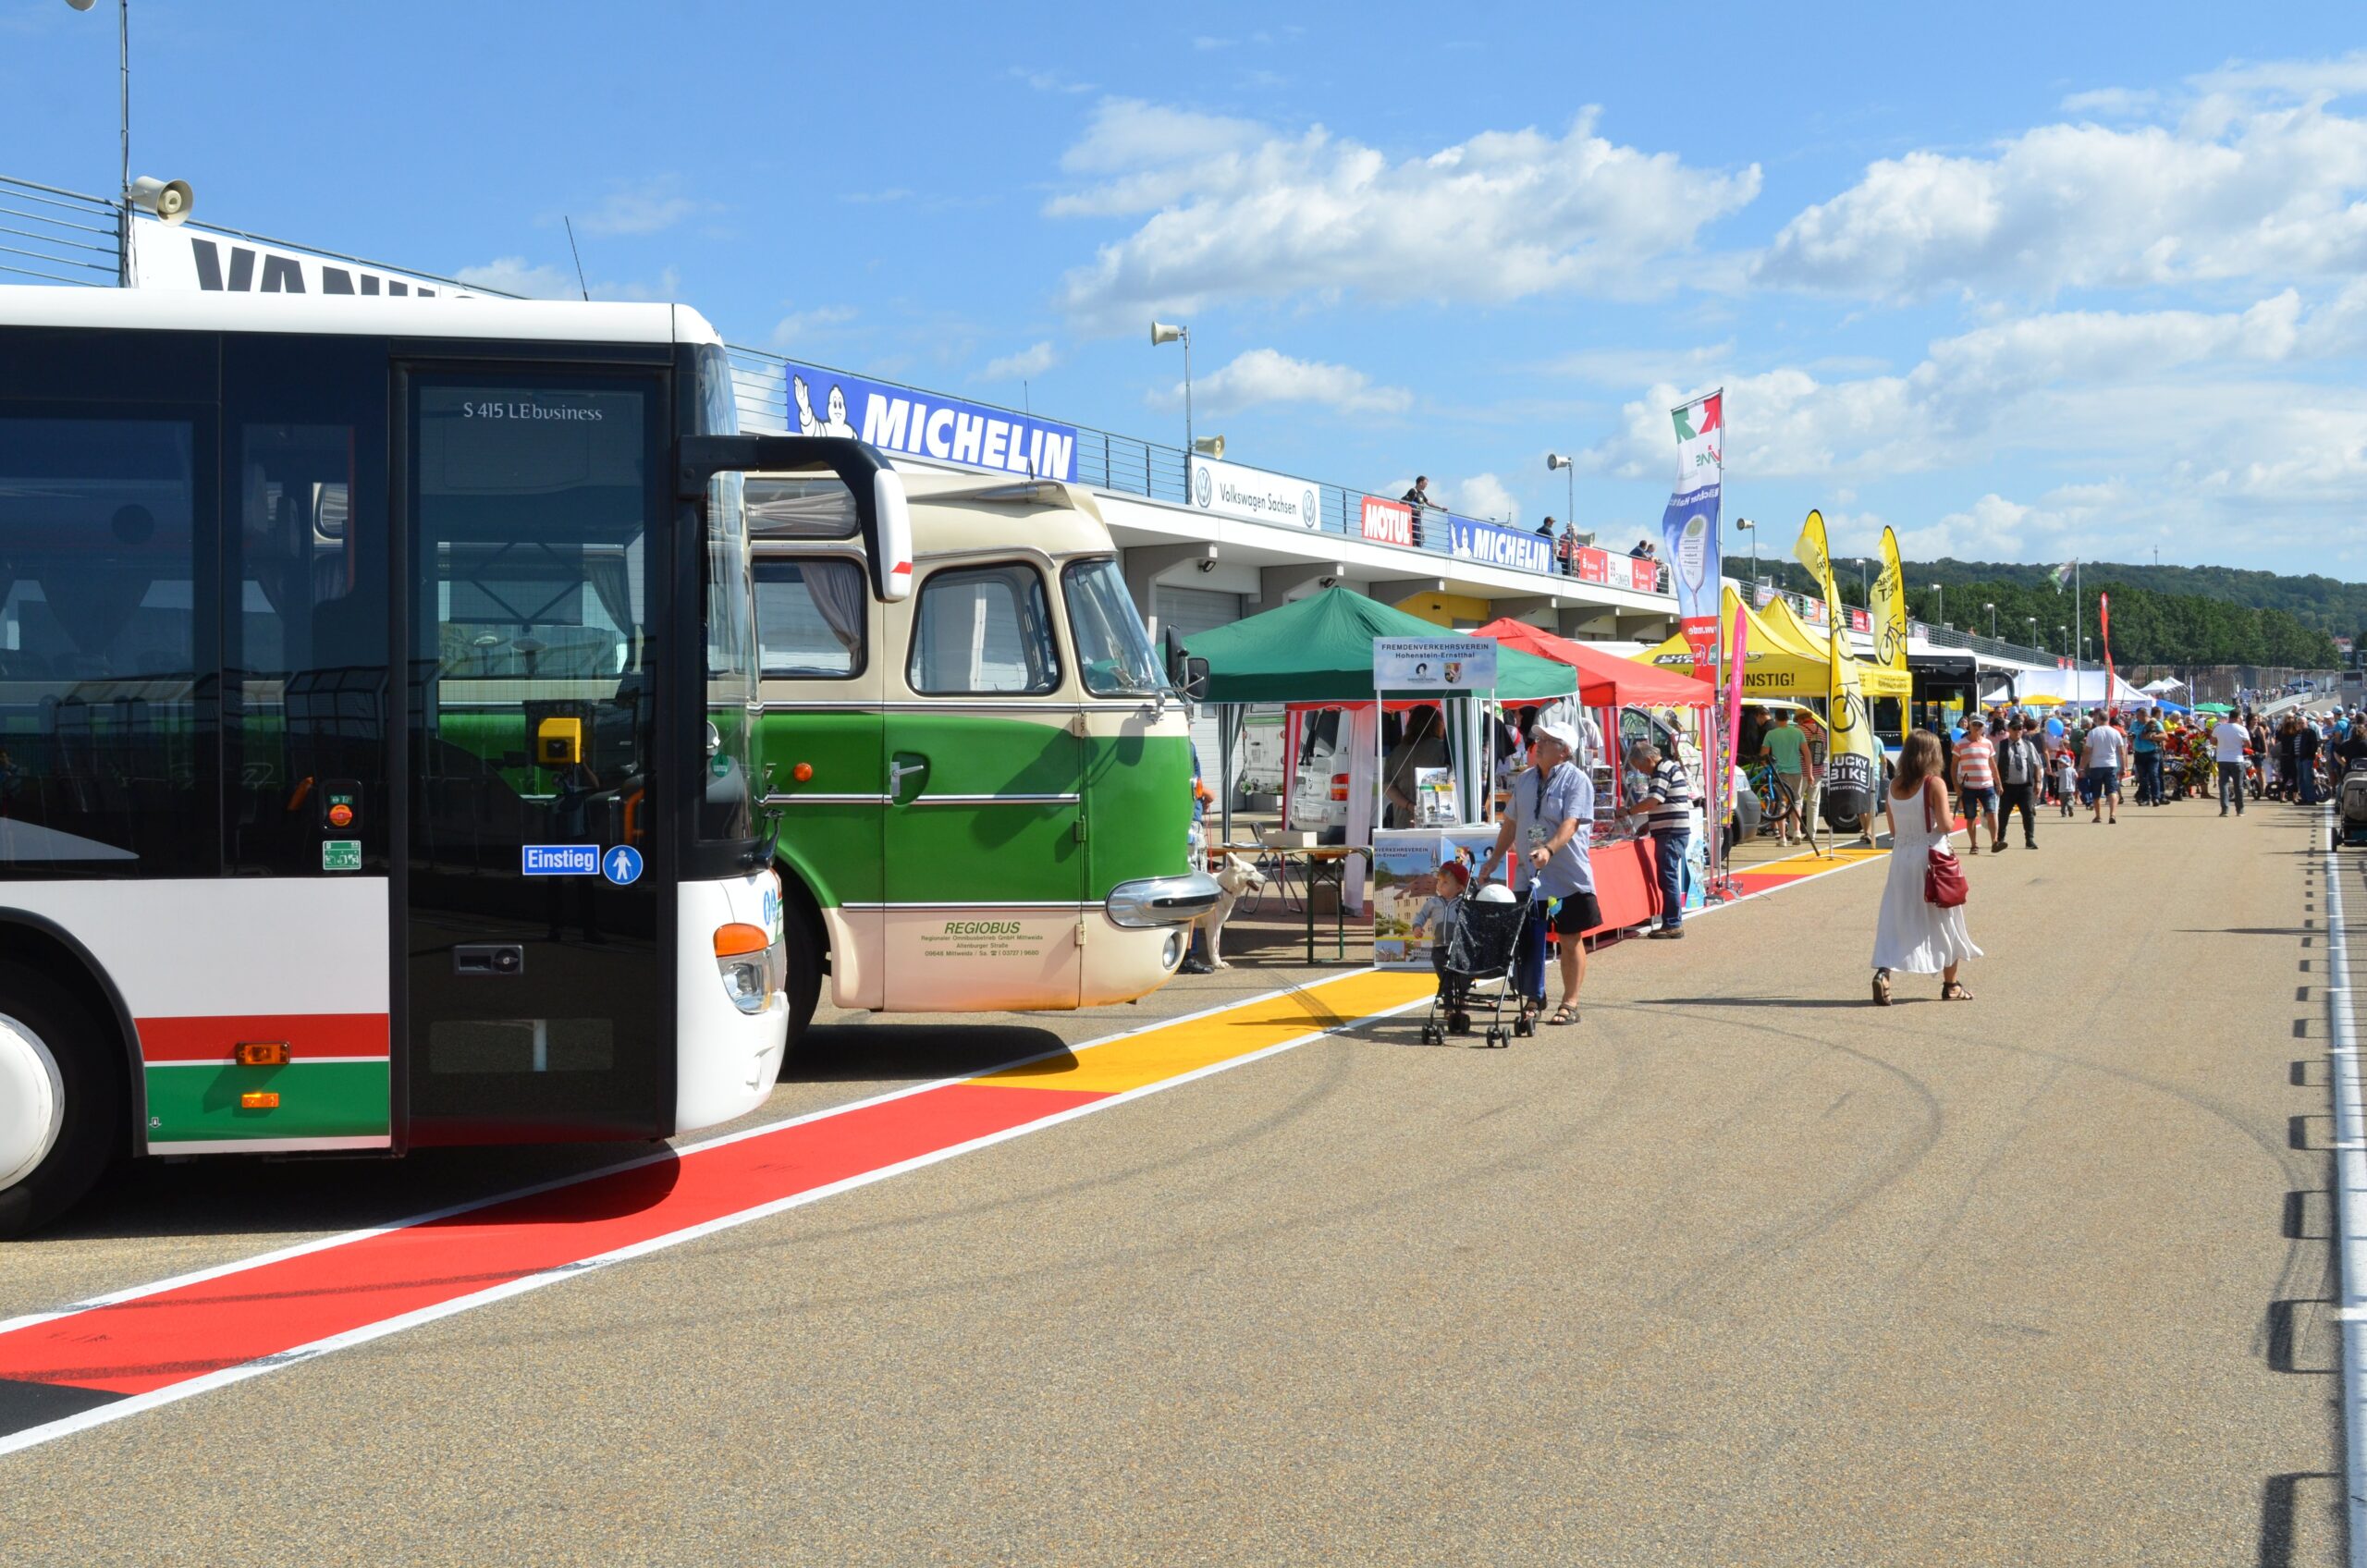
point(1160, 332)
point(1865, 590)
point(2032, 621)
point(1570, 470)
point(1940, 611)
point(1744, 524)
point(1992, 621)
point(2063, 633)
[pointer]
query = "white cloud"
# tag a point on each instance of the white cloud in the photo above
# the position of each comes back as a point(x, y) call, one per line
point(1482, 495)
point(1263, 376)
point(1026, 365)
point(1049, 81)
point(645, 207)
point(798, 325)
point(2042, 380)
point(876, 198)
point(2237, 190)
point(515, 275)
point(1238, 210)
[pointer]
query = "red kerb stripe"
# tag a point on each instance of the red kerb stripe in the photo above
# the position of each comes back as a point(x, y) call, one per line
point(156, 1341)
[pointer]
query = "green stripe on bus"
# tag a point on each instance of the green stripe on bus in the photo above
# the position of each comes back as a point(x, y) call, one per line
point(317, 1100)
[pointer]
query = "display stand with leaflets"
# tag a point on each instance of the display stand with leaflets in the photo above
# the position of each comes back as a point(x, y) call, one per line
point(1406, 900)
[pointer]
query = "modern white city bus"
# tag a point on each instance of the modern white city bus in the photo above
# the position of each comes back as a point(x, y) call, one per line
point(377, 711)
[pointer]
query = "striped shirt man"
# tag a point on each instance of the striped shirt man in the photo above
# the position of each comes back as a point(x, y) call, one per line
point(1674, 812)
point(1976, 763)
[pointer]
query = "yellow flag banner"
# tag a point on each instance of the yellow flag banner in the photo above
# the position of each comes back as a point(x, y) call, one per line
point(1851, 765)
point(1890, 606)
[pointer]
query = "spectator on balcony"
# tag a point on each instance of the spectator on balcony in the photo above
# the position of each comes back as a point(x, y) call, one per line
point(1569, 549)
point(1643, 551)
point(1545, 529)
point(1418, 501)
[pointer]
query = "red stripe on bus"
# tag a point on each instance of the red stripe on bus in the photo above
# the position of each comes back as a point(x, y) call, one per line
point(154, 1342)
point(307, 1033)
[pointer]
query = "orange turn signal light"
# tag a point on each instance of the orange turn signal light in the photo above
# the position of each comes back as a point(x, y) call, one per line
point(261, 1053)
point(802, 772)
point(259, 1099)
point(739, 937)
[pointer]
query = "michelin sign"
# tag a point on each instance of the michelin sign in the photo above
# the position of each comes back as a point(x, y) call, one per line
point(920, 425)
point(1500, 546)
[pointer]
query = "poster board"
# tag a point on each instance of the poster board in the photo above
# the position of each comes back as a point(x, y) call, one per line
point(1406, 898)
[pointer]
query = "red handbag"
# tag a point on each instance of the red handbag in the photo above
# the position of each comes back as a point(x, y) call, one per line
point(1944, 883)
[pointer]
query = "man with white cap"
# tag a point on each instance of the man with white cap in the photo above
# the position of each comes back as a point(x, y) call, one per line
point(1546, 836)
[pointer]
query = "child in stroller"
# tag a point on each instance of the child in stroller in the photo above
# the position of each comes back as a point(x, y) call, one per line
point(1478, 941)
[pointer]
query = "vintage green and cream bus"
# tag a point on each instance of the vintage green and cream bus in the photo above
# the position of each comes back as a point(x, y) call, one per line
point(985, 790)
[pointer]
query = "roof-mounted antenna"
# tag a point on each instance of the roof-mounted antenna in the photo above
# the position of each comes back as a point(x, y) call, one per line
point(1027, 407)
point(580, 284)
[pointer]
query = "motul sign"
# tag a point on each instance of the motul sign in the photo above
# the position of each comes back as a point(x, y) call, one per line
point(1387, 522)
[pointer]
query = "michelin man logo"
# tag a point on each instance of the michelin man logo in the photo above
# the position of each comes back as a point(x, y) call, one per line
point(1201, 487)
point(808, 425)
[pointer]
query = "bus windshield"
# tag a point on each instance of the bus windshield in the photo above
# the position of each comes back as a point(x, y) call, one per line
point(1112, 649)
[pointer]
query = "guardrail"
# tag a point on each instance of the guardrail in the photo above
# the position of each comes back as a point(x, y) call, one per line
point(58, 236)
point(1131, 466)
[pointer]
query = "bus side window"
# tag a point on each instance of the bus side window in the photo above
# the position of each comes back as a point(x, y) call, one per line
point(983, 629)
point(104, 741)
point(811, 616)
point(304, 602)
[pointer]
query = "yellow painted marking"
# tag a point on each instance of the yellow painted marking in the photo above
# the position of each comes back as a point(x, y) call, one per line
point(1169, 1050)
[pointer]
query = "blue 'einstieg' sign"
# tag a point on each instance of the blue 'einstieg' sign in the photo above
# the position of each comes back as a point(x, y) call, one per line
point(1500, 546)
point(558, 860)
point(897, 418)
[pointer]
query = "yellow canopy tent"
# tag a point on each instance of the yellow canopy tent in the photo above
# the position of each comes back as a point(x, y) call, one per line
point(1775, 664)
point(1873, 680)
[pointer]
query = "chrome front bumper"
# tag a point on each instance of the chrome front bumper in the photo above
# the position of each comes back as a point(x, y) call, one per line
point(1162, 900)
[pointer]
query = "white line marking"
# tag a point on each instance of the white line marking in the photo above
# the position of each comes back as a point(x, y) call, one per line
point(135, 1405)
point(2350, 1195)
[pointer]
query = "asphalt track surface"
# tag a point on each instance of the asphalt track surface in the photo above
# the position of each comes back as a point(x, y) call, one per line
point(1739, 1270)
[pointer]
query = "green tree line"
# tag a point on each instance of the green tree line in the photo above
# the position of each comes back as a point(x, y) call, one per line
point(2150, 624)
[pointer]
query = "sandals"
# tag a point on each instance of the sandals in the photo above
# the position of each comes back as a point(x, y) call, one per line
point(1954, 991)
point(1882, 987)
point(1566, 1013)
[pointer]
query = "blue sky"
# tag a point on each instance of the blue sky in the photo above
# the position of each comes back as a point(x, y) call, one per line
point(2026, 283)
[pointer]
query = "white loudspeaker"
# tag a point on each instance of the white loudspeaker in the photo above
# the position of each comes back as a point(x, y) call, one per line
point(167, 199)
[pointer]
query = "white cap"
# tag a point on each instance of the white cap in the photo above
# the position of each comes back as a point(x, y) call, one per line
point(1561, 733)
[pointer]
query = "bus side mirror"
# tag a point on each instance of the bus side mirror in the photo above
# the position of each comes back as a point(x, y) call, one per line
point(893, 547)
point(1195, 683)
point(881, 510)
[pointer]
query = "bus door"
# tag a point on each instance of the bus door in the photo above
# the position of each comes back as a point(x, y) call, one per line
point(984, 848)
point(820, 746)
point(535, 909)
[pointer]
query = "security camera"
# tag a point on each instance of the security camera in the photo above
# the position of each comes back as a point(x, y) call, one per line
point(167, 199)
point(1327, 581)
point(1208, 565)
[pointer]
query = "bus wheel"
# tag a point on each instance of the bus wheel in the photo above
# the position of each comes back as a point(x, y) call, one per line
point(61, 1102)
point(801, 935)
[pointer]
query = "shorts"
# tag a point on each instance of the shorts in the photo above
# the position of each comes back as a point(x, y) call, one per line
point(1978, 800)
point(1576, 914)
point(1792, 783)
point(2100, 781)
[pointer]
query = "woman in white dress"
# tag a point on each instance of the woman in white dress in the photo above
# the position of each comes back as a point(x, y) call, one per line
point(1912, 934)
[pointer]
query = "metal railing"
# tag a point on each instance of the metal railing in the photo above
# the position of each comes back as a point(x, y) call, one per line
point(58, 236)
point(1132, 466)
point(69, 237)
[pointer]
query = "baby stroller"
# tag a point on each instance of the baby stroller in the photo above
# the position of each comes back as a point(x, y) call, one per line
point(2350, 810)
point(1475, 958)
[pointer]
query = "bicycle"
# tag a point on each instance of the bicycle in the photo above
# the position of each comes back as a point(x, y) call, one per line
point(1776, 799)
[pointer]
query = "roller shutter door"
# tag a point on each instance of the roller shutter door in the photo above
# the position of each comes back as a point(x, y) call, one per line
point(1187, 611)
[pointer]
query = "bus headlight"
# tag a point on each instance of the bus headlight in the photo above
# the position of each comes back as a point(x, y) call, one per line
point(749, 964)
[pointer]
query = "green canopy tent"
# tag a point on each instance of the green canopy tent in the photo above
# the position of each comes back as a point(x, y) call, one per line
point(1319, 649)
point(2220, 708)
